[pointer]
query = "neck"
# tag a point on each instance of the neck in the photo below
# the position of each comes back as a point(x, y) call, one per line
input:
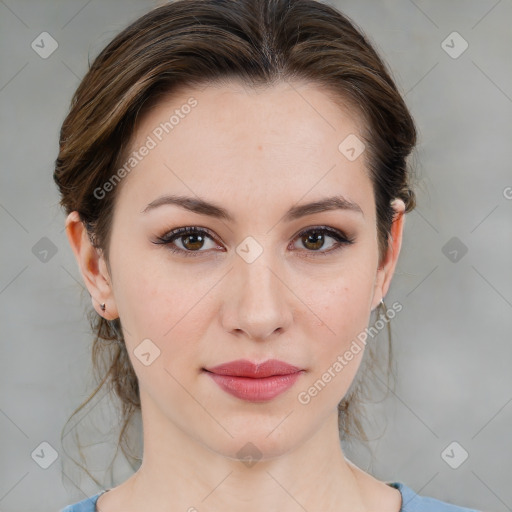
point(179, 472)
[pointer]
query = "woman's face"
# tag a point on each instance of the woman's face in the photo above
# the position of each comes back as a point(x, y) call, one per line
point(246, 284)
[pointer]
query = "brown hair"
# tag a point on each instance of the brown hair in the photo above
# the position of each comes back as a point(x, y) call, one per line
point(197, 42)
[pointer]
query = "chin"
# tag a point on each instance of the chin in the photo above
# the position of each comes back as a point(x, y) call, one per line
point(253, 441)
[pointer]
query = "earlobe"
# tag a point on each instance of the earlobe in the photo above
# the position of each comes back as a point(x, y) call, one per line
point(92, 267)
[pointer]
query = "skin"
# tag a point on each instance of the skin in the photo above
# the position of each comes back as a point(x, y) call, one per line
point(255, 153)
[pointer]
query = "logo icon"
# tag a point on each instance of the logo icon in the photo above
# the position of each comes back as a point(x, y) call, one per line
point(454, 455)
point(351, 147)
point(146, 352)
point(44, 45)
point(454, 249)
point(454, 45)
point(249, 249)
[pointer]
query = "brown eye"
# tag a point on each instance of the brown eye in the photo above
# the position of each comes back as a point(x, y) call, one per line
point(192, 242)
point(316, 239)
point(191, 239)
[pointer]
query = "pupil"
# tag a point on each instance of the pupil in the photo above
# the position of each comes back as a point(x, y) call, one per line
point(198, 240)
point(319, 243)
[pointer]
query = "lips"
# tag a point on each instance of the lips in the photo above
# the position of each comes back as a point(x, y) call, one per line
point(255, 382)
point(246, 368)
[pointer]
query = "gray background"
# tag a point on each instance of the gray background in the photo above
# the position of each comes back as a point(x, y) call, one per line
point(452, 341)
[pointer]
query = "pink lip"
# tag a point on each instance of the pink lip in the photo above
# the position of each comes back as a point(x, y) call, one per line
point(255, 382)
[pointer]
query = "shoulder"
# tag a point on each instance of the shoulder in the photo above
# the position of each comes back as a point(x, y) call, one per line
point(86, 505)
point(412, 502)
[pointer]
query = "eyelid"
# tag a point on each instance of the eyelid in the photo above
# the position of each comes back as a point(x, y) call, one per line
point(341, 238)
point(334, 232)
point(177, 233)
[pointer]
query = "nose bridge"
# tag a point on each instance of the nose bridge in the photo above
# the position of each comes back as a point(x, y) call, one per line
point(259, 302)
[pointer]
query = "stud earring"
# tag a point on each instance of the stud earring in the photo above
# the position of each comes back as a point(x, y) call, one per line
point(103, 307)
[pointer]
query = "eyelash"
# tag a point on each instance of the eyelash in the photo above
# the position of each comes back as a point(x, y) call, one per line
point(167, 239)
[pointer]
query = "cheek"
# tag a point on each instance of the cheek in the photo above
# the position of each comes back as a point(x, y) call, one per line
point(341, 309)
point(344, 316)
point(153, 309)
point(336, 350)
point(167, 307)
point(347, 303)
point(342, 298)
point(146, 291)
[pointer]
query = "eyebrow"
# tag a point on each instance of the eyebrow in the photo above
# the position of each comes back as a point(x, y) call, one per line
point(202, 207)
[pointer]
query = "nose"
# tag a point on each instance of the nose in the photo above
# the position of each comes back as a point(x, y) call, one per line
point(257, 300)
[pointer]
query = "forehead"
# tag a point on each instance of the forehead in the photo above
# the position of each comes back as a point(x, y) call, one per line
point(227, 137)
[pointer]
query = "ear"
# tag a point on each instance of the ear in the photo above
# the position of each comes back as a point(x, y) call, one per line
point(92, 266)
point(388, 264)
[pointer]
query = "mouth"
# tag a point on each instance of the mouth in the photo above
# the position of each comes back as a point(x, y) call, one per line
point(255, 382)
point(246, 368)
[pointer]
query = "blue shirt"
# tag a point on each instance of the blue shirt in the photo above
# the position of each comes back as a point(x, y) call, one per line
point(411, 502)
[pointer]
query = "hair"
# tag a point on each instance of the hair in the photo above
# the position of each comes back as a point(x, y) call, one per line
point(189, 43)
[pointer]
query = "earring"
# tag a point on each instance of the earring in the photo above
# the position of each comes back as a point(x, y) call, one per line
point(103, 307)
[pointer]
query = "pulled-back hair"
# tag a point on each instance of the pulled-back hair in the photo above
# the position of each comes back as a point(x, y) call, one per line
point(188, 43)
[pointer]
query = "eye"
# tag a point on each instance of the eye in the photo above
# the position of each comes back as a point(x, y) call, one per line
point(315, 238)
point(191, 239)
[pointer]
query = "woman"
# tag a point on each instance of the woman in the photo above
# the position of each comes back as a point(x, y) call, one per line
point(235, 179)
